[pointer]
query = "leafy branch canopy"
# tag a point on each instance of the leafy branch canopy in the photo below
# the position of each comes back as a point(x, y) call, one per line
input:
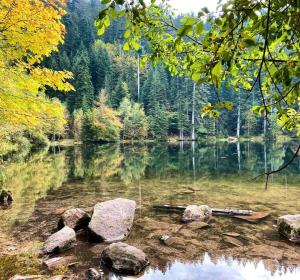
point(251, 45)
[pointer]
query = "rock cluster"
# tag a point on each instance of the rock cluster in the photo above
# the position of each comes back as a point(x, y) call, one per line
point(111, 222)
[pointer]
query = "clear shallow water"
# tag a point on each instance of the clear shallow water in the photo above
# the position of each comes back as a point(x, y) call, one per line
point(217, 175)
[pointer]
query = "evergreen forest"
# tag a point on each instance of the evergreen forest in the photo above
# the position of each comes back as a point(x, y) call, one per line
point(111, 93)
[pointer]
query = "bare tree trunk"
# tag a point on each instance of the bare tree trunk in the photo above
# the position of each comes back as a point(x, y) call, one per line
point(193, 113)
point(238, 149)
point(238, 126)
point(265, 125)
point(193, 159)
point(180, 115)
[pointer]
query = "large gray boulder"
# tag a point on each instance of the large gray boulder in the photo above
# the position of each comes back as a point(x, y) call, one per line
point(74, 218)
point(196, 213)
point(112, 220)
point(289, 226)
point(60, 241)
point(123, 258)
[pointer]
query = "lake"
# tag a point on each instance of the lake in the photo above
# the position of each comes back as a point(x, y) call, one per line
point(221, 175)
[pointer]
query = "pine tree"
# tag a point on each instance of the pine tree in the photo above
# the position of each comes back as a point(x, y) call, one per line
point(100, 65)
point(84, 96)
point(158, 123)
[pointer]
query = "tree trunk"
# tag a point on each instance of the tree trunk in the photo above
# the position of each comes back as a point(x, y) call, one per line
point(193, 113)
point(265, 125)
point(216, 211)
point(193, 159)
point(138, 77)
point(238, 126)
point(238, 149)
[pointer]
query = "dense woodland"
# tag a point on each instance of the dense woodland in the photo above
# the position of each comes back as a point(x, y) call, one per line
point(94, 88)
point(102, 67)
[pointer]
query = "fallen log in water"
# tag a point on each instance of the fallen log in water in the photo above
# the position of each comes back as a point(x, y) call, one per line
point(216, 211)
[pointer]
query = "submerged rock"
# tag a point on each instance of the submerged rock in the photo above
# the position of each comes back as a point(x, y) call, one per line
point(289, 226)
point(232, 234)
point(265, 251)
point(196, 213)
point(123, 258)
point(233, 241)
point(60, 241)
point(94, 274)
point(172, 241)
point(56, 263)
point(6, 197)
point(197, 225)
point(112, 220)
point(74, 218)
point(26, 277)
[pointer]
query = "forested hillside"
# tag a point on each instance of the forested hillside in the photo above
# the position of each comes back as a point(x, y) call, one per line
point(100, 65)
point(60, 79)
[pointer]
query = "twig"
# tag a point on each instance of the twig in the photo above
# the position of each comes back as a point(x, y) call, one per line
point(267, 174)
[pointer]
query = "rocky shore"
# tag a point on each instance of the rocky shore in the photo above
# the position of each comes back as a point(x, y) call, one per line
point(125, 244)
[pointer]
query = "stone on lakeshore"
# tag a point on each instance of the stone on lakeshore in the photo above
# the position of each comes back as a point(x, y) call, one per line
point(173, 241)
point(57, 277)
point(58, 262)
point(6, 197)
point(289, 226)
point(123, 258)
point(74, 218)
point(94, 274)
point(112, 220)
point(196, 213)
point(60, 241)
point(232, 234)
point(197, 225)
point(26, 277)
point(233, 241)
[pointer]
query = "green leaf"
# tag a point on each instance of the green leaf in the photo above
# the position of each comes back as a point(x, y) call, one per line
point(199, 28)
point(101, 30)
point(184, 30)
point(126, 47)
point(135, 45)
point(217, 70)
point(127, 33)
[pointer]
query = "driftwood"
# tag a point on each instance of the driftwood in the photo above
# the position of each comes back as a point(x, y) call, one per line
point(245, 215)
point(216, 211)
point(254, 218)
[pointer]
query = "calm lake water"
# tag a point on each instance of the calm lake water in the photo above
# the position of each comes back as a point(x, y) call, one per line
point(219, 175)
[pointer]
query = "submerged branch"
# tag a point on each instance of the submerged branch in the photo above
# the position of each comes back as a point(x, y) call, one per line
point(267, 174)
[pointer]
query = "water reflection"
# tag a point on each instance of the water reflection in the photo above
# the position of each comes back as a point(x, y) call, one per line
point(215, 174)
point(30, 180)
point(189, 161)
point(219, 270)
